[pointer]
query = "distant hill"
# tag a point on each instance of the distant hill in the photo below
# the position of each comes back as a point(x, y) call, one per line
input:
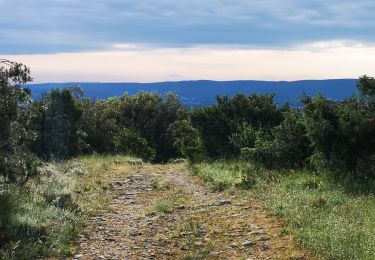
point(203, 92)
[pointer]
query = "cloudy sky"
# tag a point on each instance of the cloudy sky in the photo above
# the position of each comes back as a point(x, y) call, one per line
point(156, 40)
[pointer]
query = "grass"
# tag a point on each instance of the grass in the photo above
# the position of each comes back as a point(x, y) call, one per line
point(171, 198)
point(220, 177)
point(320, 213)
point(44, 217)
point(163, 206)
point(40, 218)
point(160, 184)
point(194, 242)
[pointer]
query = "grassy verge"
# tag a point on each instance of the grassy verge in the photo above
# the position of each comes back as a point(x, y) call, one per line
point(319, 213)
point(45, 216)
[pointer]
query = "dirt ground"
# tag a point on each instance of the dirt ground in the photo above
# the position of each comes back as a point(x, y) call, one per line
point(163, 212)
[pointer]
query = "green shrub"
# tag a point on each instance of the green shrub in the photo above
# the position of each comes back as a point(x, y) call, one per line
point(194, 150)
point(131, 143)
point(285, 146)
point(341, 135)
point(163, 206)
point(218, 124)
point(16, 162)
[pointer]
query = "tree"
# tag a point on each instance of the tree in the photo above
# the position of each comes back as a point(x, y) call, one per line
point(59, 125)
point(366, 87)
point(285, 146)
point(150, 115)
point(15, 159)
point(217, 124)
point(131, 143)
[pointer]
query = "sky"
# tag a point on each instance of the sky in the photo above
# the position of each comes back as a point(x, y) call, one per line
point(158, 40)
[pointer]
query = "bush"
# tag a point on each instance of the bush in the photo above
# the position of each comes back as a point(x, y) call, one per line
point(131, 143)
point(15, 159)
point(342, 135)
point(285, 146)
point(57, 120)
point(100, 123)
point(244, 136)
point(217, 124)
point(194, 150)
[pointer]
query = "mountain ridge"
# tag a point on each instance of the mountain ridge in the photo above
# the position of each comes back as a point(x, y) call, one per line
point(202, 92)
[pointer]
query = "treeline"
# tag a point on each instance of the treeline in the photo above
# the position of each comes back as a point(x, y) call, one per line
point(338, 136)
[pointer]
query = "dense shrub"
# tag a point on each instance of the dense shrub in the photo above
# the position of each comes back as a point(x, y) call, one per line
point(151, 115)
point(57, 120)
point(131, 143)
point(342, 134)
point(335, 136)
point(244, 136)
point(285, 146)
point(216, 124)
point(15, 159)
point(100, 123)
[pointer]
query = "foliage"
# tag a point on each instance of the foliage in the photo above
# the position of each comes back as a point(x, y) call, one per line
point(15, 160)
point(244, 136)
point(57, 120)
point(187, 140)
point(147, 114)
point(341, 135)
point(216, 124)
point(151, 115)
point(285, 146)
point(100, 123)
point(366, 87)
point(131, 143)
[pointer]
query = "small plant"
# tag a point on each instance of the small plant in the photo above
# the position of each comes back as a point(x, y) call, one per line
point(311, 184)
point(163, 206)
point(195, 244)
point(219, 186)
point(319, 202)
point(284, 232)
point(159, 184)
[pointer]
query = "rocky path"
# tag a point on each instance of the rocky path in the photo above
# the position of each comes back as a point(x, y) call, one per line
point(162, 212)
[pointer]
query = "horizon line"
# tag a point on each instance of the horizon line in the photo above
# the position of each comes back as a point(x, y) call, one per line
point(180, 81)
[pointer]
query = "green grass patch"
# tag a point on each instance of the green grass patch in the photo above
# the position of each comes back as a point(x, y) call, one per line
point(331, 218)
point(163, 206)
point(160, 184)
point(44, 217)
point(223, 175)
point(172, 198)
point(39, 219)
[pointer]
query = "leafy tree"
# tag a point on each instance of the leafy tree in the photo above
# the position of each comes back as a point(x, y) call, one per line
point(342, 135)
point(131, 143)
point(151, 115)
point(244, 136)
point(59, 124)
point(187, 140)
point(100, 123)
point(217, 123)
point(15, 160)
point(285, 146)
point(366, 87)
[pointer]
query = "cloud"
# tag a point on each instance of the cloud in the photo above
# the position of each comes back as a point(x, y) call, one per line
point(321, 60)
point(40, 26)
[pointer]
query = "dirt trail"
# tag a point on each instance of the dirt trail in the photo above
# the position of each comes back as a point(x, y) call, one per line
point(162, 212)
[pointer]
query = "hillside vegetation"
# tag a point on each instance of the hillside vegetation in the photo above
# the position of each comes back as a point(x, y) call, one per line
point(313, 166)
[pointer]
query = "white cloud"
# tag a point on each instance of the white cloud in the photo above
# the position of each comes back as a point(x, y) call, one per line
point(336, 59)
point(41, 26)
